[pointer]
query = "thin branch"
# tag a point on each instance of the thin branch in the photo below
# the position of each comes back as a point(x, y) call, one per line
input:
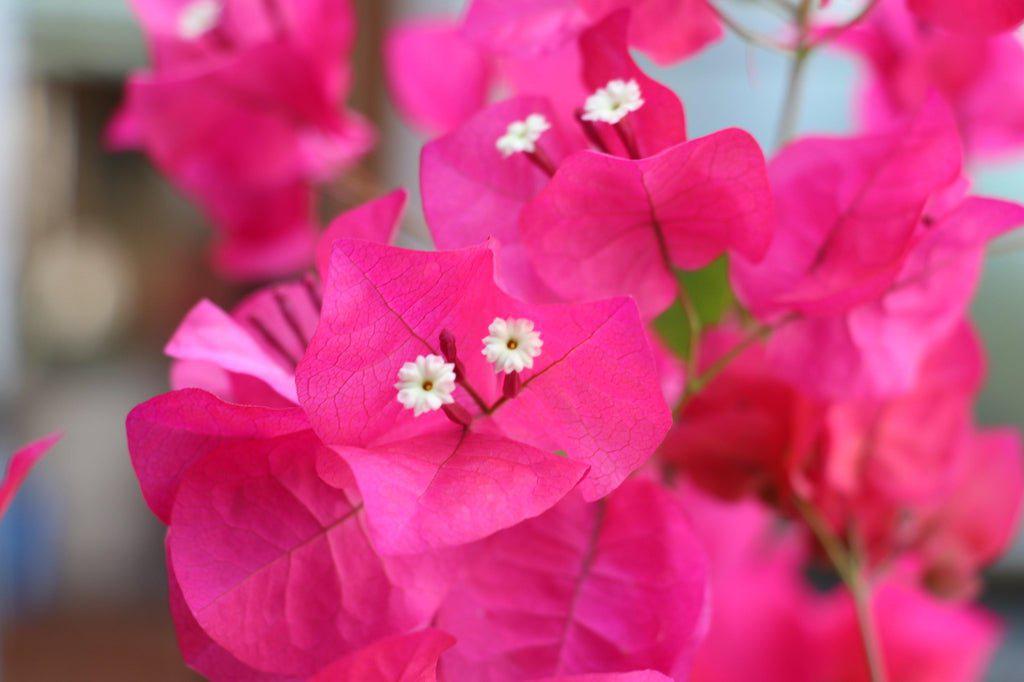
point(837, 31)
point(860, 590)
point(747, 35)
point(794, 85)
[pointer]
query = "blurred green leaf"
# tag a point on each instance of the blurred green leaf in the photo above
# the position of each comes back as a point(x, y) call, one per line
point(712, 297)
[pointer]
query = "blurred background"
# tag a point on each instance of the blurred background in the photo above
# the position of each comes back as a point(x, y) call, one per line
point(100, 258)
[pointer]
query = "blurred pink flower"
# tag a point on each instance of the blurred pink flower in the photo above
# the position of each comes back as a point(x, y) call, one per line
point(617, 585)
point(875, 258)
point(684, 202)
point(20, 465)
point(249, 356)
point(922, 638)
point(971, 16)
point(241, 111)
point(527, 48)
point(746, 432)
point(666, 31)
point(982, 78)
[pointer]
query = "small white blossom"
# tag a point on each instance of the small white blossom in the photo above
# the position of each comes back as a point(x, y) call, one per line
point(522, 136)
point(426, 384)
point(613, 102)
point(512, 344)
point(198, 18)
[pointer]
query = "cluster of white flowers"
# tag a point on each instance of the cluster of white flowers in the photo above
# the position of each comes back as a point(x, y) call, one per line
point(198, 18)
point(427, 383)
point(609, 104)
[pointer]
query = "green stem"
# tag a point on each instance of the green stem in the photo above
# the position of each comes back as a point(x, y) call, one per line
point(860, 590)
point(694, 327)
point(849, 565)
point(745, 34)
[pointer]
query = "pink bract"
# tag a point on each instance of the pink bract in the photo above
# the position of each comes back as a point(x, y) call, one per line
point(384, 306)
point(981, 78)
point(249, 356)
point(617, 585)
point(20, 465)
point(245, 118)
point(981, 17)
point(875, 259)
point(254, 528)
point(666, 30)
point(606, 225)
point(437, 78)
point(403, 658)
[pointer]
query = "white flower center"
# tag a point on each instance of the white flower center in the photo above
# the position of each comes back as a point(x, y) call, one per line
point(522, 136)
point(512, 344)
point(613, 102)
point(199, 18)
point(426, 384)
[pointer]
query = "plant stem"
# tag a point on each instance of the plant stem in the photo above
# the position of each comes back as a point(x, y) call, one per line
point(695, 329)
point(794, 85)
point(860, 590)
point(745, 34)
point(849, 565)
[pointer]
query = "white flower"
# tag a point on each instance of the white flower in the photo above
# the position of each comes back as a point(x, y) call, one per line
point(426, 384)
point(512, 344)
point(199, 17)
point(612, 102)
point(522, 136)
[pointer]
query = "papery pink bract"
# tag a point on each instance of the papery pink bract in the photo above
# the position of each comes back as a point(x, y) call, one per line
point(611, 586)
point(981, 78)
point(201, 653)
point(321, 29)
point(978, 521)
point(244, 118)
point(660, 122)
point(249, 356)
point(274, 563)
point(377, 221)
point(761, 609)
point(209, 335)
point(384, 306)
point(437, 77)
point(876, 257)
point(606, 225)
point(454, 486)
point(634, 676)
point(903, 451)
point(978, 16)
point(848, 210)
point(470, 193)
point(666, 30)
point(20, 465)
point(171, 432)
point(526, 28)
point(403, 658)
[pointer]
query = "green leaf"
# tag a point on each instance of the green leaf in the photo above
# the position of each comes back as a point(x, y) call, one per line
point(712, 296)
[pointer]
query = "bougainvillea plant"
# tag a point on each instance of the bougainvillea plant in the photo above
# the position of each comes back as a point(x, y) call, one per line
point(643, 388)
